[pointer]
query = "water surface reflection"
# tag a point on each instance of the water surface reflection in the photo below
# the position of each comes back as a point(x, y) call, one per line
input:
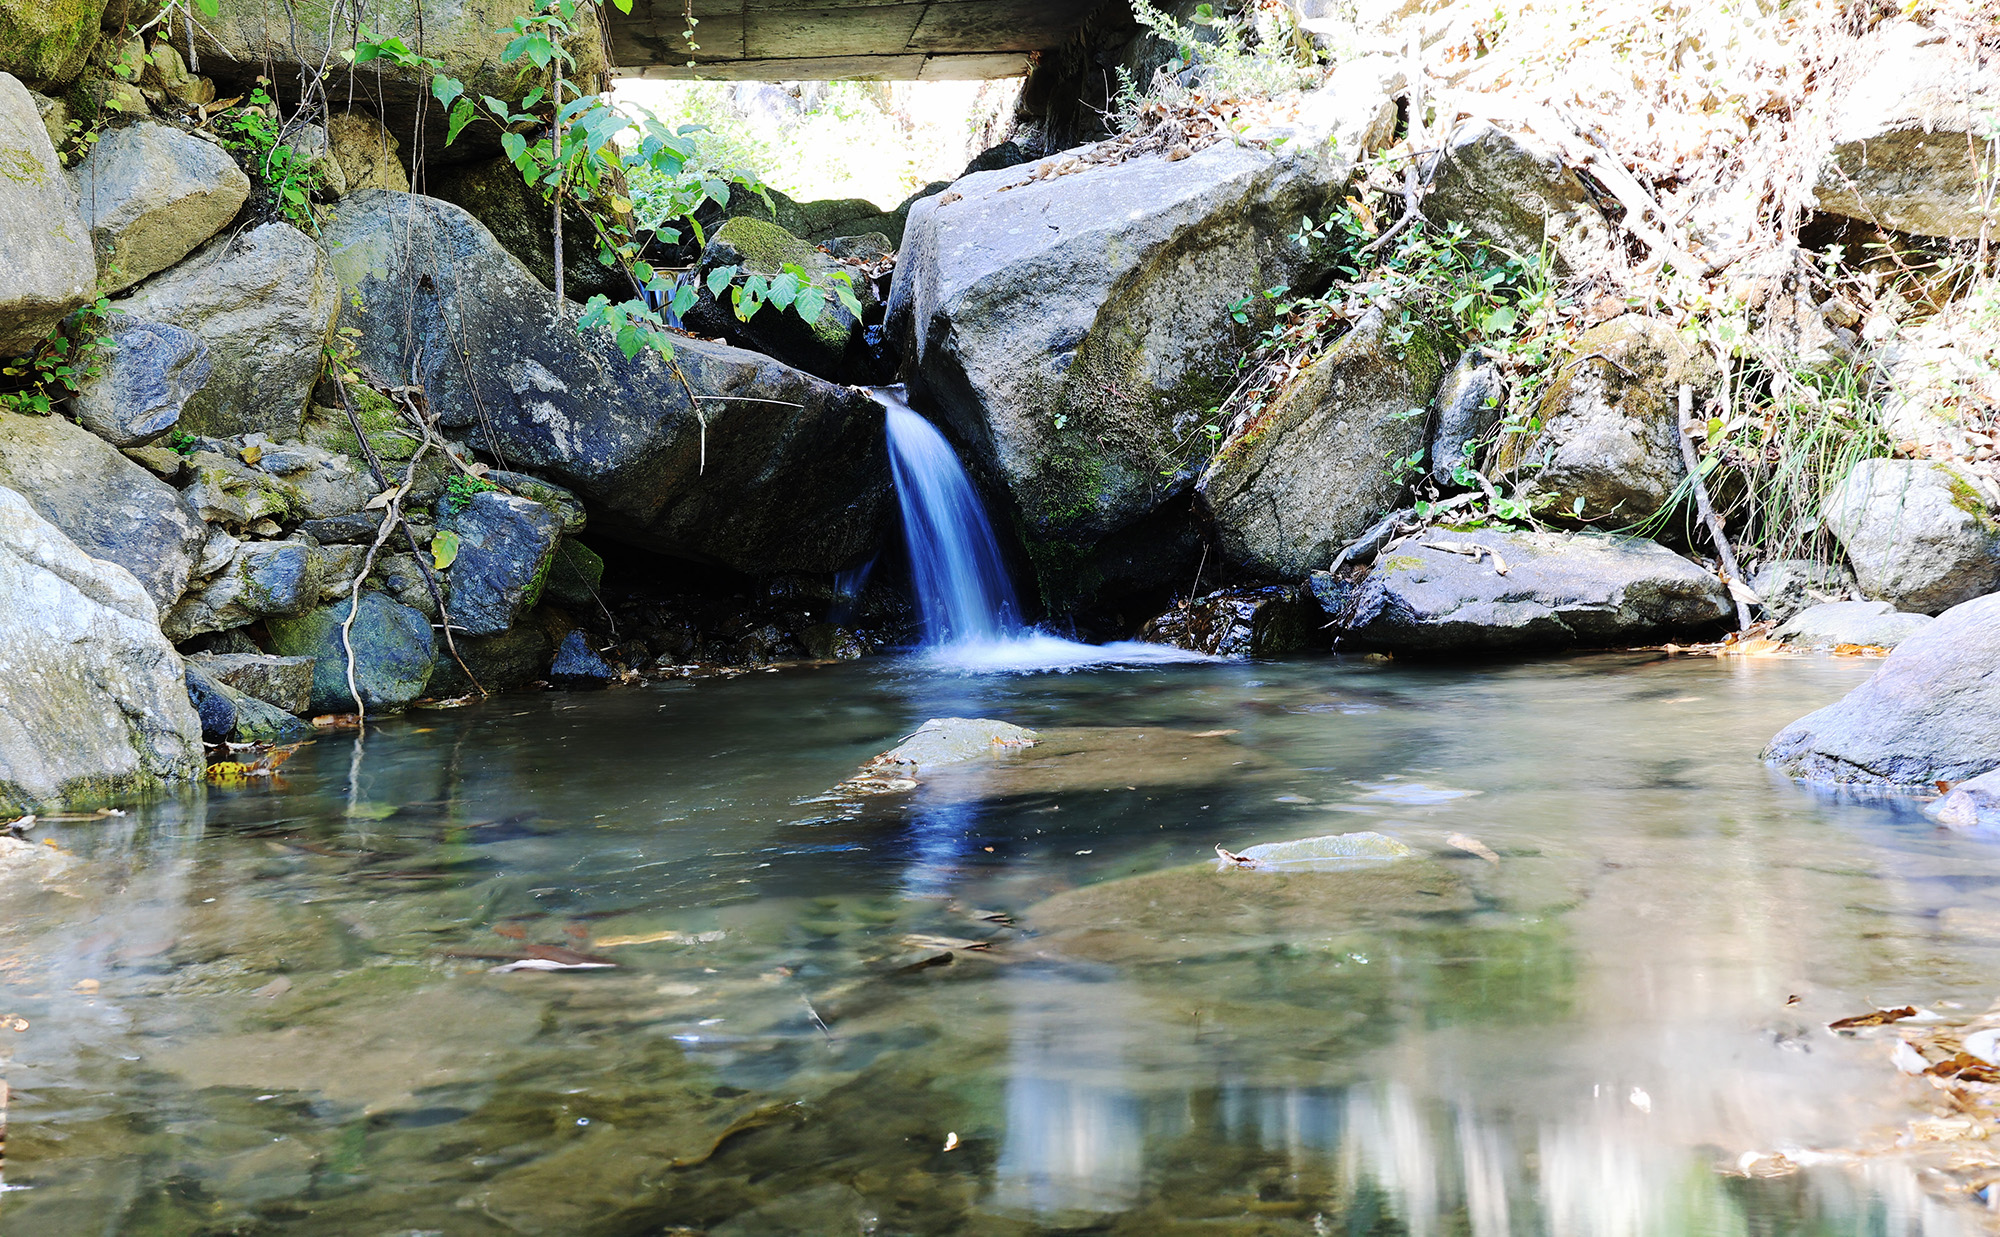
point(1003, 1004)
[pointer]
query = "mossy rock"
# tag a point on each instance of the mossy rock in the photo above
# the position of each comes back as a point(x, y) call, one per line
point(395, 652)
point(575, 574)
point(46, 43)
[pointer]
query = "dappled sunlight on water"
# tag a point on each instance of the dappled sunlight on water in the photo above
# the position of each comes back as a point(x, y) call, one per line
point(1017, 999)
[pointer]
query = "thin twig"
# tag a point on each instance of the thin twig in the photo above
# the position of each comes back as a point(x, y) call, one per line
point(1731, 575)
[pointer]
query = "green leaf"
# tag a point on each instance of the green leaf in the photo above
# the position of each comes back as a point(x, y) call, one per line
point(684, 299)
point(447, 90)
point(444, 549)
point(809, 304)
point(784, 289)
point(495, 106)
point(211, 8)
point(515, 145)
point(534, 46)
point(1498, 321)
point(719, 278)
point(462, 113)
point(848, 301)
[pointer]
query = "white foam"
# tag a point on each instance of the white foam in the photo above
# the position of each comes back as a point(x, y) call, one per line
point(1034, 651)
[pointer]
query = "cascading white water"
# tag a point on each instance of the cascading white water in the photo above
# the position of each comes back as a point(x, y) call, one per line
point(971, 618)
point(961, 583)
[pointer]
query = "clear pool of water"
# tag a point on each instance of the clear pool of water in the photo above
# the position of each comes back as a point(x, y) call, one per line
point(1005, 1002)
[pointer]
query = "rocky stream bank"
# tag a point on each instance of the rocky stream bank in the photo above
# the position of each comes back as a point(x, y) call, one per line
point(355, 458)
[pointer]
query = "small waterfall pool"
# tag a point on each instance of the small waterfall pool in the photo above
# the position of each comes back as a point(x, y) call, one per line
point(958, 574)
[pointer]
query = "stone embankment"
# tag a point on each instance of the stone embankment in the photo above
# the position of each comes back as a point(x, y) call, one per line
point(208, 515)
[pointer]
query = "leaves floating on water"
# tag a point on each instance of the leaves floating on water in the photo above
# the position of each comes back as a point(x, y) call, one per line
point(337, 721)
point(1880, 1018)
point(240, 773)
point(1332, 853)
point(1473, 846)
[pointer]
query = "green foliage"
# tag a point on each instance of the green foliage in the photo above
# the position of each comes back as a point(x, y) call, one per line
point(183, 443)
point(459, 490)
point(572, 146)
point(71, 355)
point(288, 176)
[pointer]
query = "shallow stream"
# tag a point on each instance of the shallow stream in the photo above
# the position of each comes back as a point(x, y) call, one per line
point(991, 1005)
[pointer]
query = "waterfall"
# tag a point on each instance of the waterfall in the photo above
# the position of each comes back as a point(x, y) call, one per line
point(971, 619)
point(961, 583)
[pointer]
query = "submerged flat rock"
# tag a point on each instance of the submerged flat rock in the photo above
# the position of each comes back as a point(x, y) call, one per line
point(1338, 852)
point(1198, 911)
point(954, 740)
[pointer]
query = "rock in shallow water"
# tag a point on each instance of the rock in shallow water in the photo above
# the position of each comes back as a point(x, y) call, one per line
point(1931, 712)
point(1240, 622)
point(954, 740)
point(505, 546)
point(1064, 325)
point(1874, 623)
point(1972, 804)
point(1445, 591)
point(92, 697)
point(394, 647)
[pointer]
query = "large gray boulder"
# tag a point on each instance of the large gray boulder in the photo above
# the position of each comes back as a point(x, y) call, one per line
point(92, 702)
point(44, 246)
point(1320, 465)
point(1074, 330)
point(1907, 131)
point(264, 303)
point(513, 211)
point(1918, 533)
point(1931, 713)
point(394, 651)
point(109, 506)
point(505, 548)
point(1512, 189)
point(1445, 591)
point(793, 476)
point(150, 194)
point(1610, 424)
point(150, 370)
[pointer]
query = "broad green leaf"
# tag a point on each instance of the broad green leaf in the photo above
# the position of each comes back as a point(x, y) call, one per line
point(809, 304)
point(515, 145)
point(684, 299)
point(447, 90)
point(444, 549)
point(784, 289)
point(719, 278)
point(462, 113)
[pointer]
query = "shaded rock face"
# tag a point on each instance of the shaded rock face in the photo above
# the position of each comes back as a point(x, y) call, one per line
point(1851, 622)
point(1931, 712)
point(264, 579)
point(251, 38)
point(494, 193)
point(1917, 533)
point(46, 42)
point(107, 505)
point(1905, 134)
point(264, 304)
point(1320, 465)
point(1468, 407)
point(797, 482)
point(395, 651)
point(92, 700)
point(150, 194)
point(1508, 188)
point(577, 665)
point(1559, 590)
point(1789, 585)
point(828, 347)
point(45, 248)
point(149, 372)
point(1073, 330)
point(1610, 424)
point(504, 552)
point(366, 153)
point(1241, 622)
point(285, 682)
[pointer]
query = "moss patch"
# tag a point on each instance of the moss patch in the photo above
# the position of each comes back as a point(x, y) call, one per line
point(46, 42)
point(764, 246)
